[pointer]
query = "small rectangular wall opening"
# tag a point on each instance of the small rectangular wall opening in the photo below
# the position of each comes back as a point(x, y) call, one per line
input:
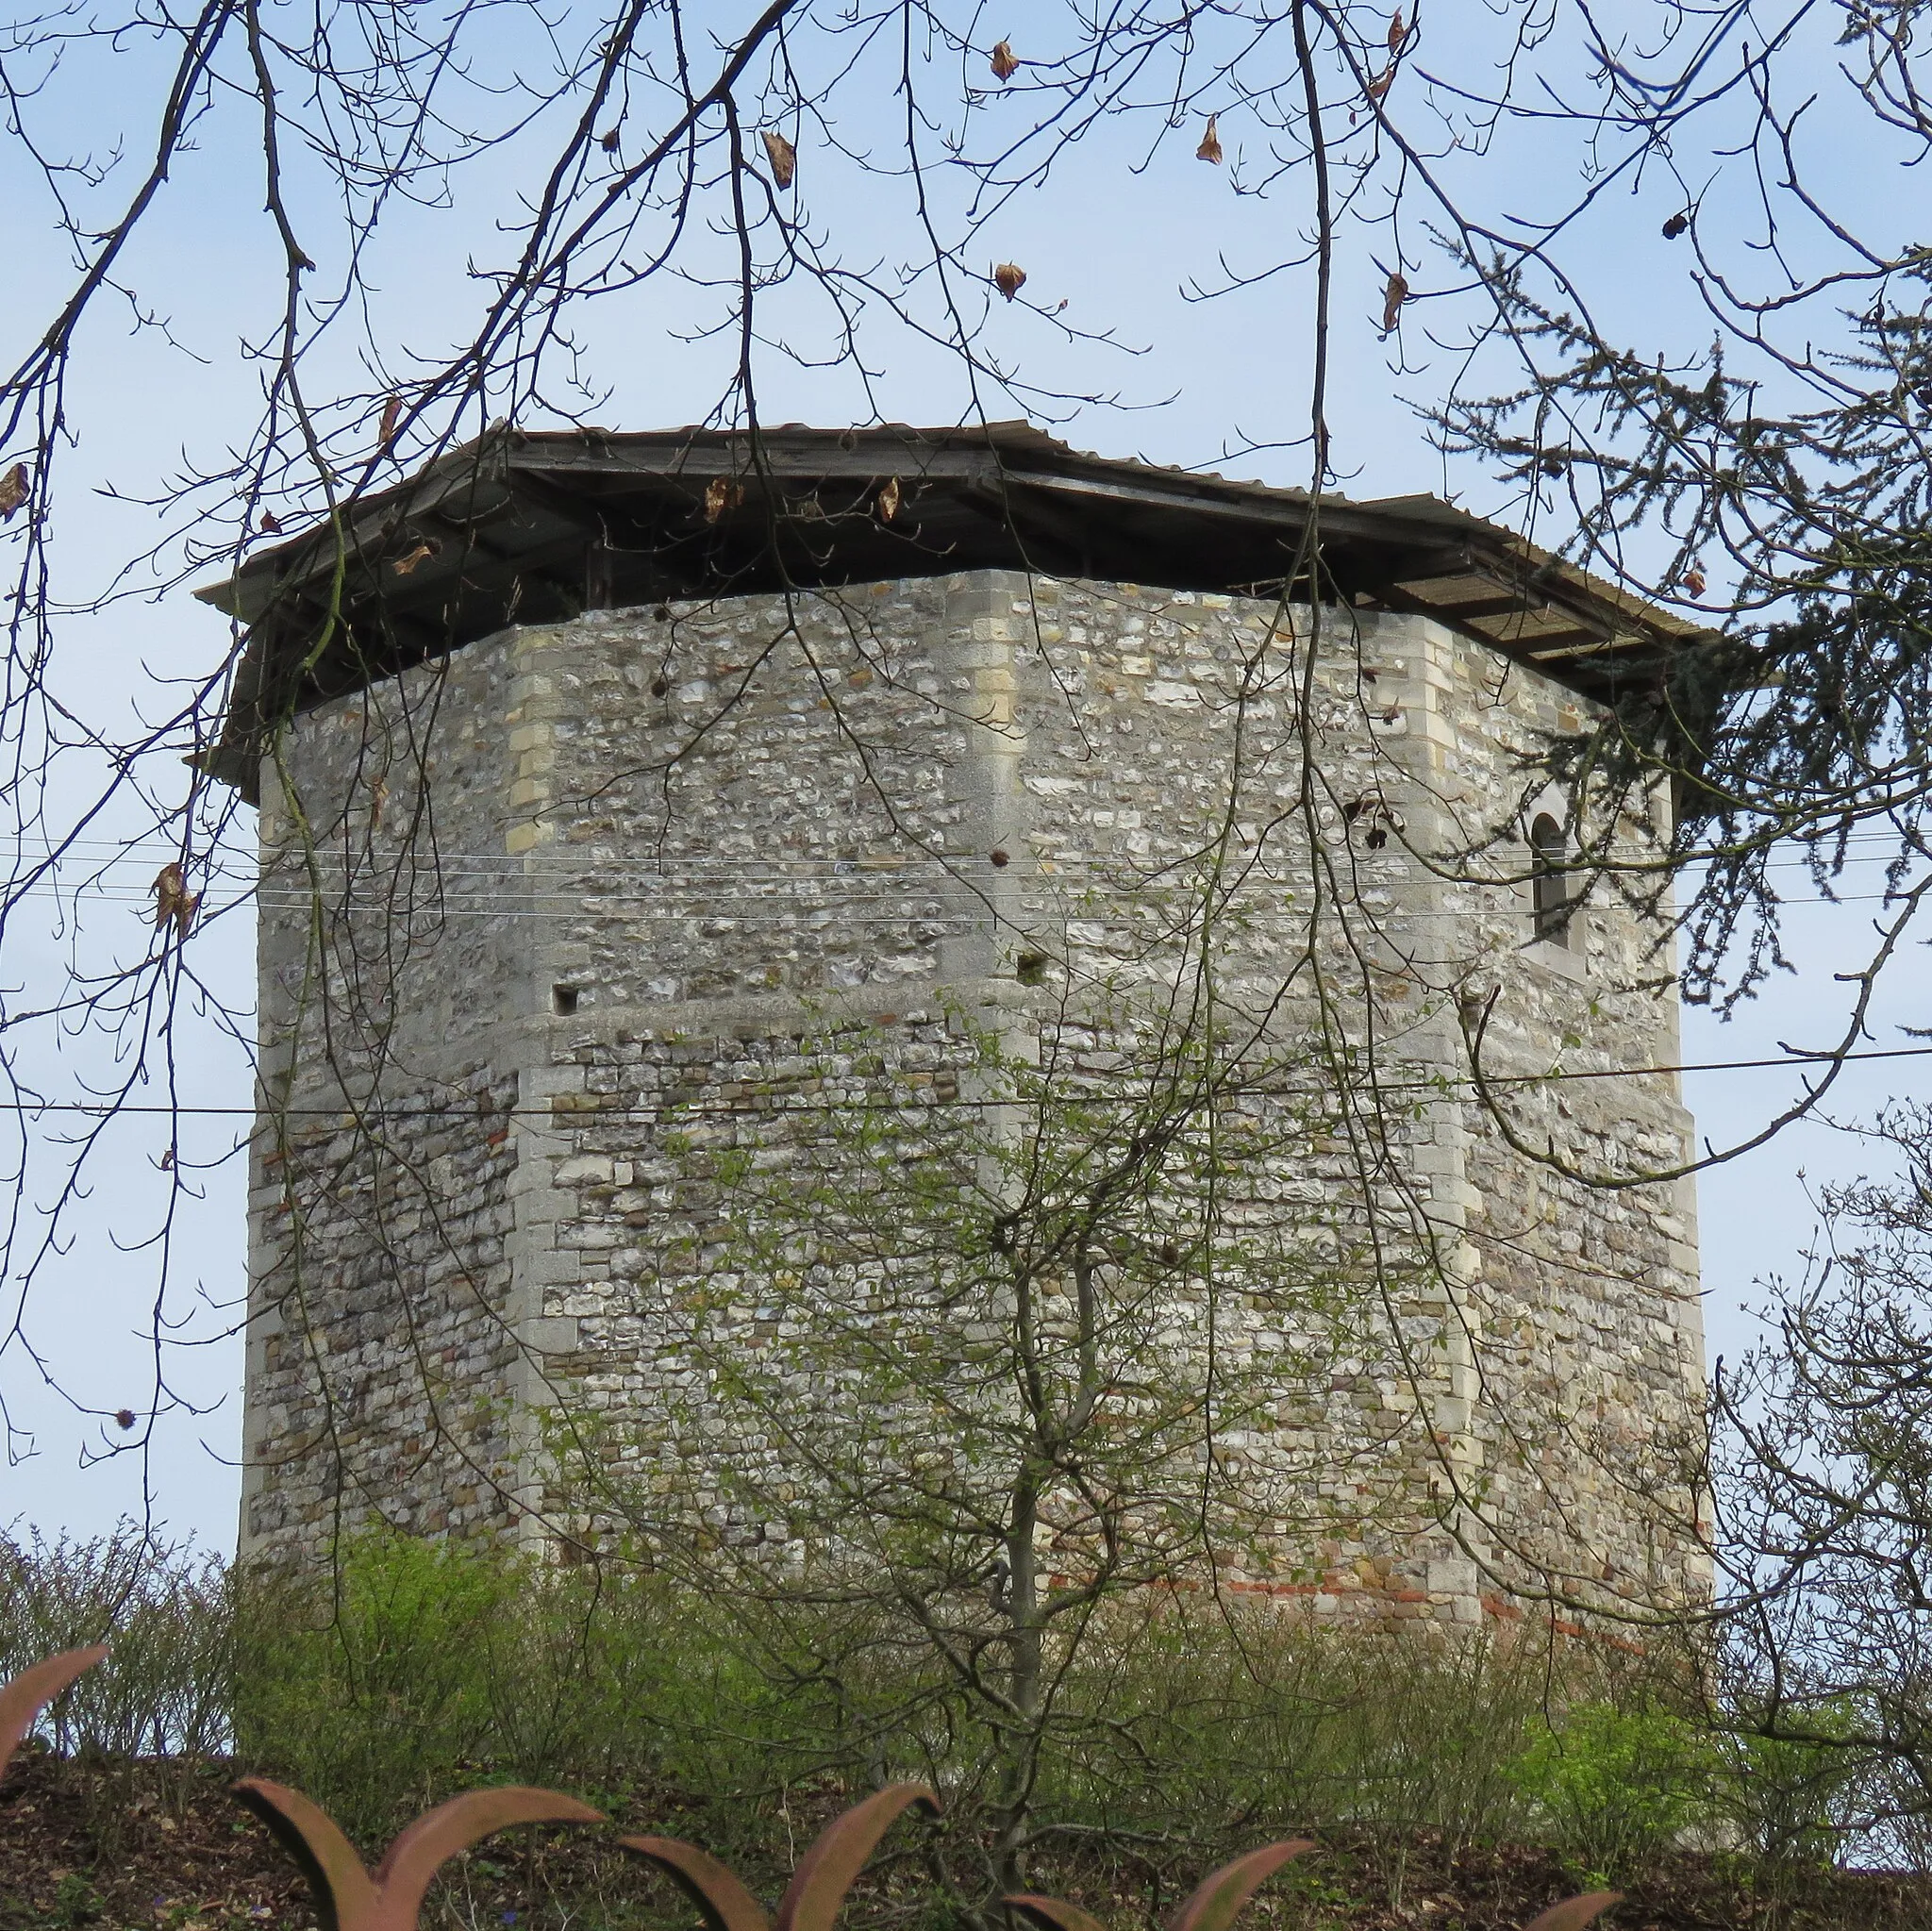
point(1549, 883)
point(563, 1000)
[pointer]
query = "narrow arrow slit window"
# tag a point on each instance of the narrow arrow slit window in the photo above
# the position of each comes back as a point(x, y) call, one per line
point(1549, 880)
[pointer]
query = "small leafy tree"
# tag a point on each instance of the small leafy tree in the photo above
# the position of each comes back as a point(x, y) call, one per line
point(992, 1361)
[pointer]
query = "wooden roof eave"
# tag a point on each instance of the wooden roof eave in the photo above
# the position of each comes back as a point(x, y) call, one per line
point(503, 511)
point(370, 532)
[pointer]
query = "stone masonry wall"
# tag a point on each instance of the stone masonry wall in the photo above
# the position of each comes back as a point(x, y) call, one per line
point(385, 1357)
point(649, 860)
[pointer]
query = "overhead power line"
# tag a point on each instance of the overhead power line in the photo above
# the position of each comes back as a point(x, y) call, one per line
point(483, 1110)
point(455, 897)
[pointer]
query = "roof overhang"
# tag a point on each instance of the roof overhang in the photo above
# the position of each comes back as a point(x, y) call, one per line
point(537, 527)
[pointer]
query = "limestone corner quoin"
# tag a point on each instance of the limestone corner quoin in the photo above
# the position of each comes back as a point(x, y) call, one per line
point(505, 946)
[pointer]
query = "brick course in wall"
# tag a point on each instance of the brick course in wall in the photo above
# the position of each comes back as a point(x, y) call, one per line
point(530, 908)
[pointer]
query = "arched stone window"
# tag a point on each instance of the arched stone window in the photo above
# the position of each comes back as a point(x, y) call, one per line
point(1549, 880)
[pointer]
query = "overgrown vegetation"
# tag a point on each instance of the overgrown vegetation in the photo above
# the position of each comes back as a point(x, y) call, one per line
point(419, 1669)
point(973, 1388)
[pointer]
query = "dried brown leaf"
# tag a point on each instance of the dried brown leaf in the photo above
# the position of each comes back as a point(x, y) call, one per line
point(271, 524)
point(391, 415)
point(1393, 295)
point(407, 564)
point(1397, 32)
point(1693, 581)
point(889, 500)
point(1675, 226)
point(1382, 82)
point(169, 890)
point(721, 493)
point(783, 157)
point(1008, 278)
point(1209, 149)
point(172, 900)
point(1003, 63)
point(13, 490)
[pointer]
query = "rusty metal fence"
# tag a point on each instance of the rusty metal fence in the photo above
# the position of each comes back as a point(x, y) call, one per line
point(351, 1897)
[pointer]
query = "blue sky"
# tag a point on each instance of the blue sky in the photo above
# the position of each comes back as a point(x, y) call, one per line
point(1122, 243)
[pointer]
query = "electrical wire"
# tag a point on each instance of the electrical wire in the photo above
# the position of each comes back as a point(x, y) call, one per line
point(760, 1109)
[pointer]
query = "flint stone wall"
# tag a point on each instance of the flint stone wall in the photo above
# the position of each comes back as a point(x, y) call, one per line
point(594, 898)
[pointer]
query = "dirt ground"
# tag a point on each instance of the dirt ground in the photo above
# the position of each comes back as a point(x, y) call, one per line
point(131, 1848)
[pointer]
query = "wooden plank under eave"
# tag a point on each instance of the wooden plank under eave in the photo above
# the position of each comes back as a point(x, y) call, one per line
point(1526, 626)
point(1596, 647)
point(1453, 594)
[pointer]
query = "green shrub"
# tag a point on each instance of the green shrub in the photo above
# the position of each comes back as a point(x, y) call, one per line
point(1615, 1786)
point(1177, 1728)
point(420, 1667)
point(416, 1667)
point(1230, 1716)
point(371, 1692)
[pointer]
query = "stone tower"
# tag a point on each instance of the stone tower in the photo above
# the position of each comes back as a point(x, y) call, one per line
point(624, 761)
